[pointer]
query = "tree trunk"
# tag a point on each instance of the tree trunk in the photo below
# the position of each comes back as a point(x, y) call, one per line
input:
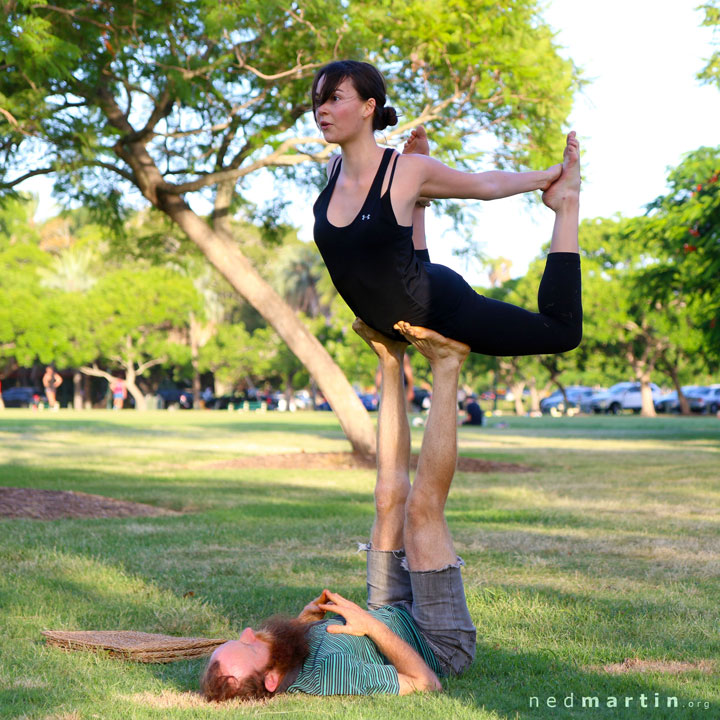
point(133, 389)
point(648, 406)
point(219, 248)
point(674, 376)
point(239, 272)
point(684, 404)
point(77, 390)
point(87, 392)
point(290, 393)
point(643, 364)
point(564, 394)
point(517, 391)
point(534, 397)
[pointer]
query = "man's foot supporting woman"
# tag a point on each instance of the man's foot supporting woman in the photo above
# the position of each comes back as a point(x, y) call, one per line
point(437, 348)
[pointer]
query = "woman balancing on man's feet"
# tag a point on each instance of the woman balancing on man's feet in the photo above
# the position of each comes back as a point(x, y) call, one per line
point(365, 216)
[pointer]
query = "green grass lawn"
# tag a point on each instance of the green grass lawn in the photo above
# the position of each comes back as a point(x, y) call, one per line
point(609, 550)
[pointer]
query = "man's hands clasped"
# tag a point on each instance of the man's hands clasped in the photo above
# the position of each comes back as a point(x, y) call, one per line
point(312, 612)
point(357, 620)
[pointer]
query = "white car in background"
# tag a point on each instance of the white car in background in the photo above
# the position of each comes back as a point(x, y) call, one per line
point(621, 396)
point(704, 399)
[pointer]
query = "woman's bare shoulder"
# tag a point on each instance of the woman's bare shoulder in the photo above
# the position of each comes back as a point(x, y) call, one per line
point(415, 162)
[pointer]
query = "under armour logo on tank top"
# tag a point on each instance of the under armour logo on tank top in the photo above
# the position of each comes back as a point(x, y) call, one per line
point(365, 217)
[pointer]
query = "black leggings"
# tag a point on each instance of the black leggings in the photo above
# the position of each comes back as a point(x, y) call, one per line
point(492, 327)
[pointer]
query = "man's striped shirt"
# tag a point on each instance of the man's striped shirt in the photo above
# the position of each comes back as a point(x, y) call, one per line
point(352, 665)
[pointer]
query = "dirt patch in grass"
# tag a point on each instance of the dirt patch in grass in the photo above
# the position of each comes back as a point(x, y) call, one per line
point(351, 461)
point(57, 504)
point(672, 667)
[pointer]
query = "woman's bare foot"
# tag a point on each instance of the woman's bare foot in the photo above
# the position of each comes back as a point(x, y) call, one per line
point(435, 347)
point(567, 187)
point(417, 143)
point(384, 347)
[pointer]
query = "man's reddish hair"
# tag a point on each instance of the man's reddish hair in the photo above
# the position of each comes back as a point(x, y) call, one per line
point(217, 687)
point(288, 648)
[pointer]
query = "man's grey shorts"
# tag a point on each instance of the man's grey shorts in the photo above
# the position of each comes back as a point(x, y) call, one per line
point(435, 599)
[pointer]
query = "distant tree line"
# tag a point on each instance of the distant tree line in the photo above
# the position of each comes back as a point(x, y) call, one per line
point(103, 305)
point(145, 305)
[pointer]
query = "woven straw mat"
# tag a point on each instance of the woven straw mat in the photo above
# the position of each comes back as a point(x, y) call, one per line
point(133, 645)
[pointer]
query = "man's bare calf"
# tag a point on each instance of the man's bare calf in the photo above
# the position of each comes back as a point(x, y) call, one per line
point(393, 441)
point(428, 543)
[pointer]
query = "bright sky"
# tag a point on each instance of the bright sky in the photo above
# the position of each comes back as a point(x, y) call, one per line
point(640, 114)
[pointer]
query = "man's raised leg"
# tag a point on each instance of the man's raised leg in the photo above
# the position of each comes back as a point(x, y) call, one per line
point(428, 544)
point(393, 442)
point(439, 606)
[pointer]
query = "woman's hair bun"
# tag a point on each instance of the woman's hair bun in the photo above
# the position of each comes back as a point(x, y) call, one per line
point(389, 116)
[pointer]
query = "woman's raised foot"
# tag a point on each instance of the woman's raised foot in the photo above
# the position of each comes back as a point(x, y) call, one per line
point(566, 189)
point(417, 143)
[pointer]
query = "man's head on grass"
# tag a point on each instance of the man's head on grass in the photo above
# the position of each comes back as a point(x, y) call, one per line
point(253, 666)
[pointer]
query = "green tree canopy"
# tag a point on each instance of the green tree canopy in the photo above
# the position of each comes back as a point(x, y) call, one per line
point(711, 72)
point(165, 100)
point(135, 319)
point(684, 227)
point(23, 317)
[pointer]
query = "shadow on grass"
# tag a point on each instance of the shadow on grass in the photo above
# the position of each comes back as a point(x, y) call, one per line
point(507, 681)
point(605, 428)
point(539, 685)
point(148, 595)
point(162, 424)
point(258, 509)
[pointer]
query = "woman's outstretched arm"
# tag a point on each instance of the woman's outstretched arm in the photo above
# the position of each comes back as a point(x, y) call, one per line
point(437, 180)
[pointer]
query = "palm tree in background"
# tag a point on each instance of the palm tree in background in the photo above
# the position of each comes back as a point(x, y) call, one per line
point(298, 277)
point(71, 270)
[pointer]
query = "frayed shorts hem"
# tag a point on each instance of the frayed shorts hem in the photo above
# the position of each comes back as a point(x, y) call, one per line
point(435, 599)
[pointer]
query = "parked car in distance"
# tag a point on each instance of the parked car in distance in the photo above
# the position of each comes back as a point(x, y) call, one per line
point(22, 397)
point(669, 402)
point(369, 401)
point(621, 396)
point(704, 399)
point(714, 400)
point(576, 395)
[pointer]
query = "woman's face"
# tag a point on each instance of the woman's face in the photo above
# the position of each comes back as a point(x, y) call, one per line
point(343, 115)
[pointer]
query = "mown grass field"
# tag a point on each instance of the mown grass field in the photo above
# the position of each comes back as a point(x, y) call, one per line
point(609, 550)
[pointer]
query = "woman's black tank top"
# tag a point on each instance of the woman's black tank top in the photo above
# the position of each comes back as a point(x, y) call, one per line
point(371, 261)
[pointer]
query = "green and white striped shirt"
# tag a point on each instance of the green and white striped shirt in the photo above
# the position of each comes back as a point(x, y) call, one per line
point(351, 665)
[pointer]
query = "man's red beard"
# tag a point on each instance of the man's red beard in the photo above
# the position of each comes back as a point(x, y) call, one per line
point(288, 642)
point(289, 647)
